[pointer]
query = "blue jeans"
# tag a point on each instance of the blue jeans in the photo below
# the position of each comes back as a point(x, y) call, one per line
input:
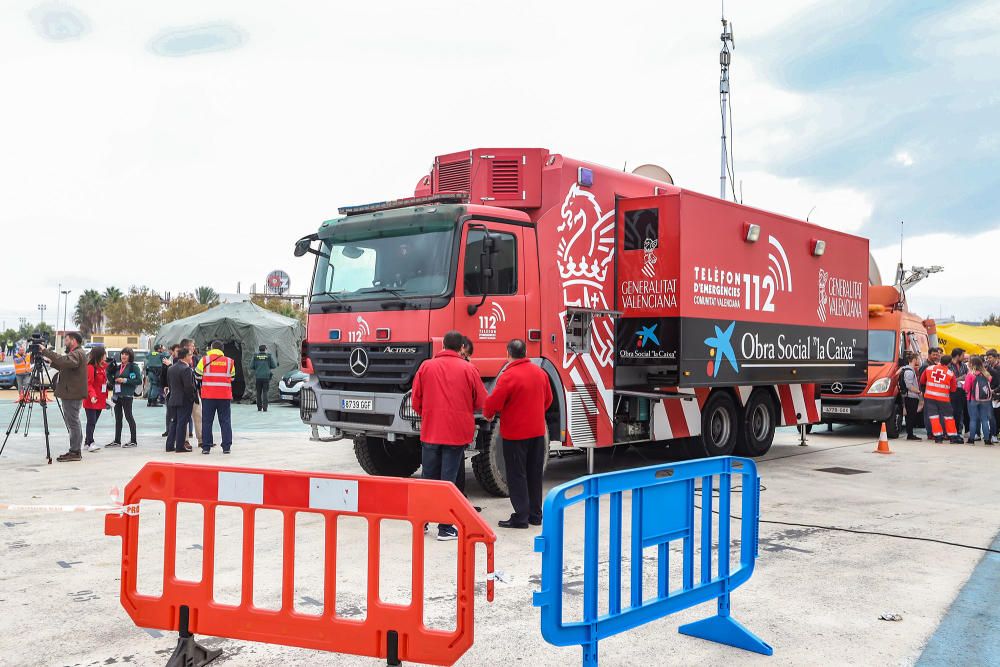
point(209, 408)
point(980, 416)
point(441, 462)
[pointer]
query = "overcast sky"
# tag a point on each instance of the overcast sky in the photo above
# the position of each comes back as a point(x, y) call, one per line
point(190, 143)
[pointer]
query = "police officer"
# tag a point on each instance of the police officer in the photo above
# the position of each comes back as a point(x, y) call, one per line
point(155, 374)
point(263, 364)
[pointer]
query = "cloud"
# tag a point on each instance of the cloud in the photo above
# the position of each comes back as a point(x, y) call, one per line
point(841, 208)
point(903, 159)
point(964, 289)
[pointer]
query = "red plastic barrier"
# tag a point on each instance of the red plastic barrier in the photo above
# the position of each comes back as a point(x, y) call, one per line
point(389, 630)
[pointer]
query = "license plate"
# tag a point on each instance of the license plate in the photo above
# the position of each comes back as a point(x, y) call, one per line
point(835, 410)
point(363, 404)
point(288, 396)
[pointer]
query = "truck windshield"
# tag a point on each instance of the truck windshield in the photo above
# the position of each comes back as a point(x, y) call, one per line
point(882, 346)
point(404, 256)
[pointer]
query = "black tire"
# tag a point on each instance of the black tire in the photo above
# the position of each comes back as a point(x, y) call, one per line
point(894, 425)
point(488, 465)
point(756, 432)
point(387, 459)
point(719, 427)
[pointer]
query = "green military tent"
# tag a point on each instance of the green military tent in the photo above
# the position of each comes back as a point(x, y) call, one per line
point(242, 327)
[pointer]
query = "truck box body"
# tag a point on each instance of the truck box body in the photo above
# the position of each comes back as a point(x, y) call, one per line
point(717, 309)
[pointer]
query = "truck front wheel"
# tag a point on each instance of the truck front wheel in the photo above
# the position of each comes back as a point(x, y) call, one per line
point(489, 468)
point(377, 456)
point(894, 425)
point(719, 427)
point(488, 465)
point(756, 432)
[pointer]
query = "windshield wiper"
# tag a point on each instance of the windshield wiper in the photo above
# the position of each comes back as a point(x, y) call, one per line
point(376, 290)
point(339, 305)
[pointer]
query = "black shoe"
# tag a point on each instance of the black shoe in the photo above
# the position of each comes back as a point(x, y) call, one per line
point(510, 524)
point(206, 451)
point(957, 440)
point(225, 451)
point(260, 409)
point(265, 408)
point(447, 533)
point(163, 435)
point(913, 437)
point(987, 442)
point(535, 522)
point(939, 440)
point(69, 456)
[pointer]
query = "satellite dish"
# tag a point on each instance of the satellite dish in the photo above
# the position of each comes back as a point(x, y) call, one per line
point(654, 172)
point(874, 275)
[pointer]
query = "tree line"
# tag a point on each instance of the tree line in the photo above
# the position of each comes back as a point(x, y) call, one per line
point(141, 310)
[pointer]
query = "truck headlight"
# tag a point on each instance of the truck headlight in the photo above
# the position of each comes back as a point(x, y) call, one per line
point(880, 386)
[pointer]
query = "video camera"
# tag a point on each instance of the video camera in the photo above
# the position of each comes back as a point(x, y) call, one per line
point(35, 343)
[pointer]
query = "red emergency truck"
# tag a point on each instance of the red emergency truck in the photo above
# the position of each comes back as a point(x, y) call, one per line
point(657, 313)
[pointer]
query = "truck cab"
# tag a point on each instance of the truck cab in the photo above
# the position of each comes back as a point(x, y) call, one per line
point(892, 331)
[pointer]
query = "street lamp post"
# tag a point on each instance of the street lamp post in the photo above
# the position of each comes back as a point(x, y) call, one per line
point(41, 313)
point(65, 294)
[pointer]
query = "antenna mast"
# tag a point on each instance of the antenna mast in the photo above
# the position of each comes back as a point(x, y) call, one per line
point(724, 59)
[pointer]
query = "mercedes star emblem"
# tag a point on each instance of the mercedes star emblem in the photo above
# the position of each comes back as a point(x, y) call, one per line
point(358, 361)
point(836, 387)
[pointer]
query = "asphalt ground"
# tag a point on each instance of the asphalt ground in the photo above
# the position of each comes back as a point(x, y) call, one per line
point(816, 595)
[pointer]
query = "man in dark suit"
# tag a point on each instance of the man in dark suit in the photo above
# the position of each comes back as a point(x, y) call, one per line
point(180, 402)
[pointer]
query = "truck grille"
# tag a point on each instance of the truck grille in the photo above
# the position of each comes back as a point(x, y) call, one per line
point(360, 418)
point(388, 372)
point(849, 388)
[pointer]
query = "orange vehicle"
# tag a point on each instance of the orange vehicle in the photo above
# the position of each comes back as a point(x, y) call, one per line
point(892, 330)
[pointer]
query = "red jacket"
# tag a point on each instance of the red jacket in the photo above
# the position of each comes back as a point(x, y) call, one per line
point(97, 388)
point(940, 383)
point(447, 390)
point(522, 394)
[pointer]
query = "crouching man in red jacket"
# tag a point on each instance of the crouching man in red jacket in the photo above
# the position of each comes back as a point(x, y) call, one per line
point(447, 391)
point(522, 395)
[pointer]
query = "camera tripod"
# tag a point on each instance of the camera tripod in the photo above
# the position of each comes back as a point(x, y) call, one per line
point(34, 391)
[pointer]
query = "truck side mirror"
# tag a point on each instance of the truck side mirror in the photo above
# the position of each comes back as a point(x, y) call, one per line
point(486, 270)
point(302, 246)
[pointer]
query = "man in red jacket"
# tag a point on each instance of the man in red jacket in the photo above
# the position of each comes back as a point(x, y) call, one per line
point(447, 391)
point(522, 394)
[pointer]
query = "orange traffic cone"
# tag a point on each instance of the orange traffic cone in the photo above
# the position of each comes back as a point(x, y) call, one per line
point(883, 442)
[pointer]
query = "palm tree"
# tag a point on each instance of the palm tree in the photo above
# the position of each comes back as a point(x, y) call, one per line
point(112, 294)
point(89, 311)
point(206, 296)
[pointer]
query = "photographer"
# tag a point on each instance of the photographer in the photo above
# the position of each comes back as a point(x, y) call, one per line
point(71, 388)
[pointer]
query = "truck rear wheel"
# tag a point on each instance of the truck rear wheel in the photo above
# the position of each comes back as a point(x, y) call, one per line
point(379, 457)
point(719, 427)
point(756, 432)
point(488, 465)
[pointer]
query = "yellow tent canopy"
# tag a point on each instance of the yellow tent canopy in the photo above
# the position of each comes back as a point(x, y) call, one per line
point(974, 340)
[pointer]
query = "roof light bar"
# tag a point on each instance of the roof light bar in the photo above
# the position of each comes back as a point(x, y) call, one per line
point(442, 198)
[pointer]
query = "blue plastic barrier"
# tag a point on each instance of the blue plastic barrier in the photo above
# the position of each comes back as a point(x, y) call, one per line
point(663, 503)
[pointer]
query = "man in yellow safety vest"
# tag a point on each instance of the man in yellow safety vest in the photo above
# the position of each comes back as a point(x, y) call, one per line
point(216, 372)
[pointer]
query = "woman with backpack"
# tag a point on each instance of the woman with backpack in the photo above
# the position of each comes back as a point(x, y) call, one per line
point(980, 397)
point(126, 380)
